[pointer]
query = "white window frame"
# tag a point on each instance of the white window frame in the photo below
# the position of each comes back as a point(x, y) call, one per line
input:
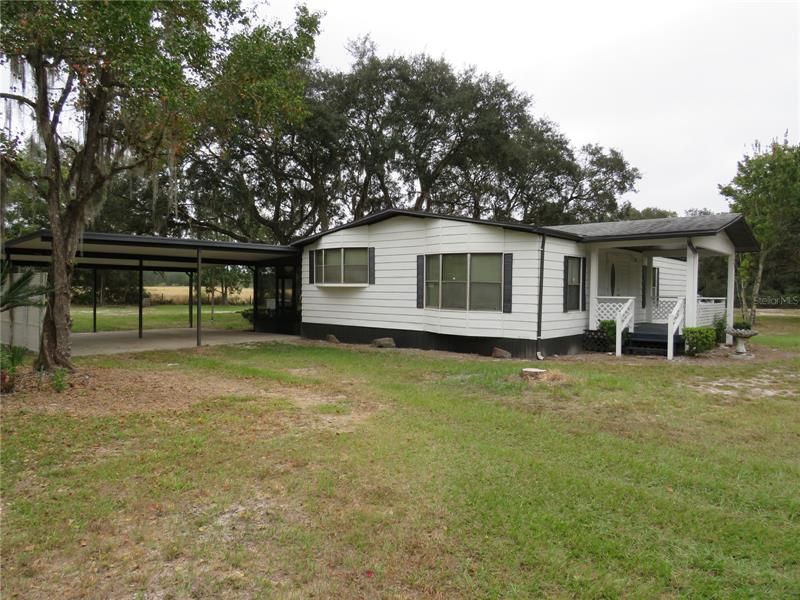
point(468, 283)
point(320, 264)
point(581, 266)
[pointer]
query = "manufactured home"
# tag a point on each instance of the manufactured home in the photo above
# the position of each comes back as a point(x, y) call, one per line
point(453, 283)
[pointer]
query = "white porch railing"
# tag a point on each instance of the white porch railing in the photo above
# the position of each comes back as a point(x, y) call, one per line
point(619, 309)
point(663, 307)
point(674, 323)
point(709, 309)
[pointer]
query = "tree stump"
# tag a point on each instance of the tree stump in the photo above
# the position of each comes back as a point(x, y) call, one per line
point(531, 373)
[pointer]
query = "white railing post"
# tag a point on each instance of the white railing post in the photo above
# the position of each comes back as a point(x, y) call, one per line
point(670, 339)
point(674, 322)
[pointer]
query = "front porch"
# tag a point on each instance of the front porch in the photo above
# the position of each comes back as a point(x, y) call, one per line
point(650, 288)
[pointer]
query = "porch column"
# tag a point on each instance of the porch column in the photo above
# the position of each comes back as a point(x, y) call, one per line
point(648, 285)
point(594, 283)
point(692, 271)
point(729, 296)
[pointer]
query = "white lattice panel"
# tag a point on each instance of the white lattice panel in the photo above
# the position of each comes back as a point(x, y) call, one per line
point(663, 307)
point(608, 310)
point(708, 310)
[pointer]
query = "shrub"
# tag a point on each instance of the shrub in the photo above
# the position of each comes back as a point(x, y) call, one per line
point(719, 327)
point(699, 339)
point(742, 325)
point(609, 327)
point(59, 380)
point(248, 314)
point(10, 358)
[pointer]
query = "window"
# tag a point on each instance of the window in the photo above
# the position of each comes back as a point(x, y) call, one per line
point(356, 264)
point(574, 283)
point(654, 289)
point(464, 281)
point(485, 282)
point(432, 277)
point(341, 265)
point(454, 281)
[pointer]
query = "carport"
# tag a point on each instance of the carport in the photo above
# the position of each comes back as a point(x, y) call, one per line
point(150, 253)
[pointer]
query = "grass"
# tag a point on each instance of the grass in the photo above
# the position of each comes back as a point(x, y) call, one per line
point(124, 318)
point(778, 332)
point(346, 472)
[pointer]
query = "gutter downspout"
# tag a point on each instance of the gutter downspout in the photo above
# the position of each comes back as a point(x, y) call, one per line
point(541, 294)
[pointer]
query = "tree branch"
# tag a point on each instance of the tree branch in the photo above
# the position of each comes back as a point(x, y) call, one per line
point(59, 106)
point(19, 98)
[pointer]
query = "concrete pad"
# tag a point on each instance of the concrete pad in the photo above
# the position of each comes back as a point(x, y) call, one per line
point(120, 342)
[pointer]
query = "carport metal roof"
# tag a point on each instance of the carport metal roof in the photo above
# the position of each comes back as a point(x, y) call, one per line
point(150, 253)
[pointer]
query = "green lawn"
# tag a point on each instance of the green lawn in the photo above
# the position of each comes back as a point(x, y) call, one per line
point(121, 318)
point(294, 471)
point(778, 332)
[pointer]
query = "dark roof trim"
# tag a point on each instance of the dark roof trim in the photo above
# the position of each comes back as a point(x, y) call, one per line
point(401, 212)
point(150, 241)
point(736, 228)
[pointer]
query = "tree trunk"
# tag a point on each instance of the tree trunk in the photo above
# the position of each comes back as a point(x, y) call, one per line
point(54, 348)
point(757, 285)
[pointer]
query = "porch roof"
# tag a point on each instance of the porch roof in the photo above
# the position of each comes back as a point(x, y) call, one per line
point(733, 224)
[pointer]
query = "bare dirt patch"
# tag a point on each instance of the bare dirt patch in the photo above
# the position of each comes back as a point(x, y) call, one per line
point(109, 391)
point(115, 392)
point(773, 383)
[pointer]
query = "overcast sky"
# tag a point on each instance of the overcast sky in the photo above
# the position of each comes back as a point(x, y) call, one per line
point(683, 89)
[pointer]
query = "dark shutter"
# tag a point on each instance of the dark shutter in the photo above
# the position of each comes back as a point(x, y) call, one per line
point(583, 283)
point(311, 266)
point(420, 281)
point(508, 260)
point(644, 286)
point(371, 266)
point(566, 281)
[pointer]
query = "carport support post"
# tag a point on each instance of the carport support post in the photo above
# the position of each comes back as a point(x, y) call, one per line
point(141, 298)
point(94, 300)
point(191, 299)
point(255, 295)
point(197, 293)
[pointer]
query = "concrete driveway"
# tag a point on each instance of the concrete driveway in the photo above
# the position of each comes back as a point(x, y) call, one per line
point(120, 342)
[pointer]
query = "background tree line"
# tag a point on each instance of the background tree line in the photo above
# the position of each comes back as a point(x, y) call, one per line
point(397, 131)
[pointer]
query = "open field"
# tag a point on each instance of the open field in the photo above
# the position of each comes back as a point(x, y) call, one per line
point(180, 294)
point(122, 318)
point(309, 469)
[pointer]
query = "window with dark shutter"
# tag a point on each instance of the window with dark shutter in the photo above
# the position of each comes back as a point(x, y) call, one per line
point(573, 283)
point(372, 266)
point(508, 260)
point(420, 281)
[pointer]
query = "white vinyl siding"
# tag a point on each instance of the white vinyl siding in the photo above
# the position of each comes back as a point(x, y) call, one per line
point(556, 322)
point(672, 276)
point(391, 302)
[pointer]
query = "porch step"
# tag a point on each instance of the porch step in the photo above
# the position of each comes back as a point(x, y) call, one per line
point(646, 343)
